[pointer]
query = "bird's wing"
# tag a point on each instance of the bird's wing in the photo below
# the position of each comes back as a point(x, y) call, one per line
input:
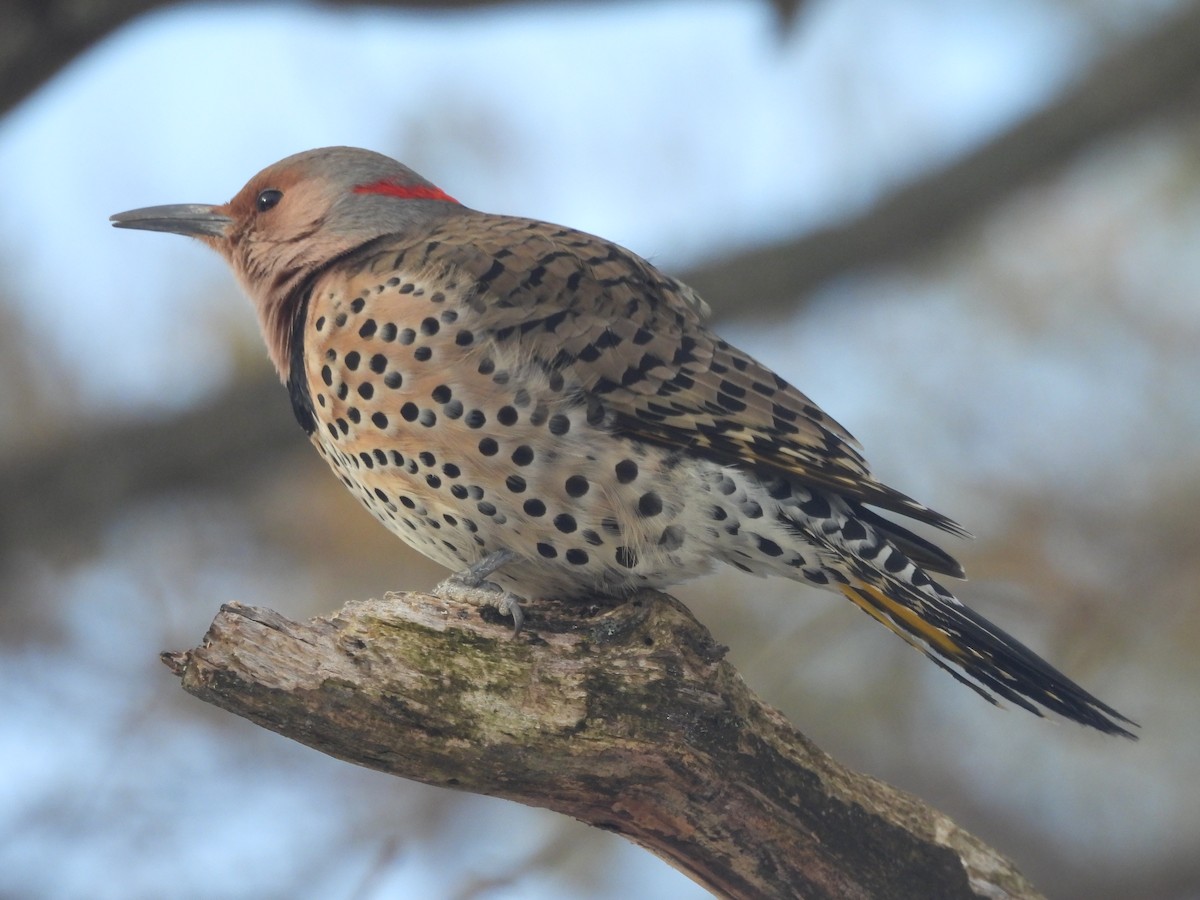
point(634, 341)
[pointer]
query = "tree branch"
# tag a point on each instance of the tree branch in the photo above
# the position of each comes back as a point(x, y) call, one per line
point(625, 717)
point(1147, 77)
point(42, 36)
point(226, 443)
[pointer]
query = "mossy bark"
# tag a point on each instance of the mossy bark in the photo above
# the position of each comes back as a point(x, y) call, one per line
point(626, 717)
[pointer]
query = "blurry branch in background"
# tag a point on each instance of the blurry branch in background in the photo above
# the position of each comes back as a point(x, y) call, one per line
point(61, 495)
point(39, 39)
point(1144, 78)
point(625, 717)
point(249, 423)
point(42, 37)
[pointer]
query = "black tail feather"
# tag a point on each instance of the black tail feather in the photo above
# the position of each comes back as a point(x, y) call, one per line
point(926, 554)
point(983, 656)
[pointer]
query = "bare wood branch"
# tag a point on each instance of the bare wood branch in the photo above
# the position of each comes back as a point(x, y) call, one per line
point(626, 717)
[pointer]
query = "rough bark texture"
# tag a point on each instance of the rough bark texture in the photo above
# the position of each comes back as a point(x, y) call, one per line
point(626, 717)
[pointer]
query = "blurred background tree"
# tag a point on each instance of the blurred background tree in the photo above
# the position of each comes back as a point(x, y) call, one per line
point(967, 230)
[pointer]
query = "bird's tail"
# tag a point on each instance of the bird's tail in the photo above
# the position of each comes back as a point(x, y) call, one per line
point(971, 648)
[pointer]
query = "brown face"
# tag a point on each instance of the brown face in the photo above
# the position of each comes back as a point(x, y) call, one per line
point(281, 204)
point(299, 212)
point(294, 217)
point(277, 206)
point(270, 233)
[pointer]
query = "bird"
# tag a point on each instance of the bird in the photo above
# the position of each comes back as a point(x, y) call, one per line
point(547, 414)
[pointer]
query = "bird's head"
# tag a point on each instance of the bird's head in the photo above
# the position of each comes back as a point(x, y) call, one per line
point(297, 216)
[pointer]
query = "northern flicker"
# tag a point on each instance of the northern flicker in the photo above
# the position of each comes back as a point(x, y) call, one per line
point(527, 403)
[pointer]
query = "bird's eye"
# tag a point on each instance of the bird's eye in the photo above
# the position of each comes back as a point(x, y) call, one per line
point(268, 198)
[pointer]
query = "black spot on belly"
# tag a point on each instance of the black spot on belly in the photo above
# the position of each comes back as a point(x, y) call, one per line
point(672, 538)
point(649, 504)
point(769, 547)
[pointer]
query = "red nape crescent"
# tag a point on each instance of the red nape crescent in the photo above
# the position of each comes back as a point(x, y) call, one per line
point(392, 188)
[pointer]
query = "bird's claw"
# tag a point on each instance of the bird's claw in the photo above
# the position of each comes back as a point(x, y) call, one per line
point(470, 586)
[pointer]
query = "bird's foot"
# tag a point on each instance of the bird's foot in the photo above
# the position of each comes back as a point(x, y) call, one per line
point(471, 586)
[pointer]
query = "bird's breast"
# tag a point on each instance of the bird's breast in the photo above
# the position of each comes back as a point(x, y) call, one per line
point(462, 445)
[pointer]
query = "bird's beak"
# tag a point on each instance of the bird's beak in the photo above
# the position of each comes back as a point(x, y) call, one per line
point(193, 219)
